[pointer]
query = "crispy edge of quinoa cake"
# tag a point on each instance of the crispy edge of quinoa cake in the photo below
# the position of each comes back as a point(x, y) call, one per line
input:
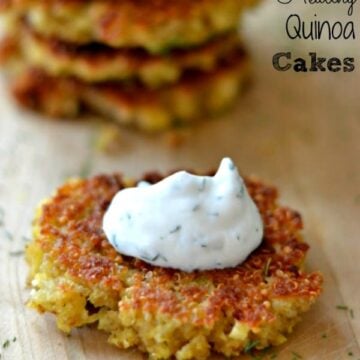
point(98, 63)
point(157, 25)
point(77, 275)
point(197, 95)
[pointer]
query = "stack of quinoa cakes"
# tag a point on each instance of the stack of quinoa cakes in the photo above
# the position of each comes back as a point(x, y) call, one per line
point(152, 64)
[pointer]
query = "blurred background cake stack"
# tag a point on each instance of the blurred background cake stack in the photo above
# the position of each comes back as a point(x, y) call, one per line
point(152, 64)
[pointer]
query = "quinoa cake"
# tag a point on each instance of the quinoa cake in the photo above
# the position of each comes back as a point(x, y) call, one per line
point(97, 62)
point(196, 95)
point(78, 276)
point(156, 25)
point(151, 64)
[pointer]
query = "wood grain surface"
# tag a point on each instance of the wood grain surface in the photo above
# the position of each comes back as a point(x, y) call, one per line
point(298, 131)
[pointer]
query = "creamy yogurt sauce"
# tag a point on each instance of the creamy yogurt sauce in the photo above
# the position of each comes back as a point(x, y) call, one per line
point(186, 221)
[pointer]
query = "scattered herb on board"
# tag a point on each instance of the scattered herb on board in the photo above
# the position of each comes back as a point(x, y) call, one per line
point(352, 315)
point(324, 336)
point(347, 309)
point(350, 353)
point(7, 343)
point(250, 345)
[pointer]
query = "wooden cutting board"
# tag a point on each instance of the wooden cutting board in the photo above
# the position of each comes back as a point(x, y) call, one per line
point(298, 131)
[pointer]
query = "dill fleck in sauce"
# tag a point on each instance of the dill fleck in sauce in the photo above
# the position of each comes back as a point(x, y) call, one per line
point(186, 221)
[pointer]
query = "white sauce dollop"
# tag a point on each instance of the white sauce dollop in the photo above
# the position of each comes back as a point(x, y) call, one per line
point(186, 221)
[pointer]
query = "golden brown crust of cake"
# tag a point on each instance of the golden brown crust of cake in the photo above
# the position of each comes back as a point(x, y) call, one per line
point(97, 62)
point(37, 91)
point(198, 94)
point(70, 234)
point(156, 25)
point(77, 275)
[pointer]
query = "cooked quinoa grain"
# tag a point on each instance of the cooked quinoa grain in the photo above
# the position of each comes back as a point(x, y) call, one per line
point(77, 275)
